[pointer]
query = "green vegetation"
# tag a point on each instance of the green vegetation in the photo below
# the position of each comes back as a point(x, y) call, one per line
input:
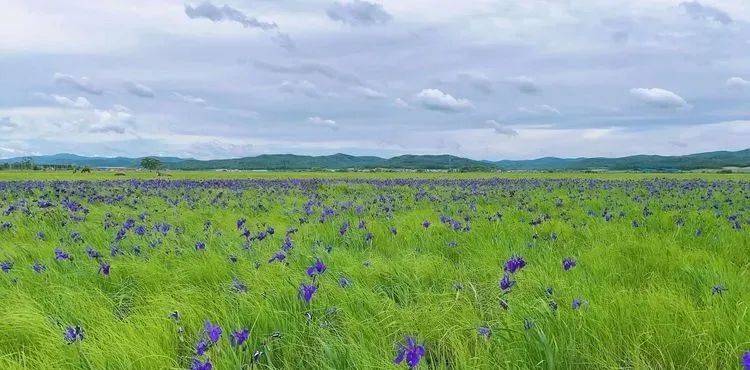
point(661, 271)
point(276, 162)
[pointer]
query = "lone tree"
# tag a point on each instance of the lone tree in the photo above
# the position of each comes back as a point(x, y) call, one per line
point(151, 163)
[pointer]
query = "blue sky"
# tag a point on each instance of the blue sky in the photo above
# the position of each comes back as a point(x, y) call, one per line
point(482, 79)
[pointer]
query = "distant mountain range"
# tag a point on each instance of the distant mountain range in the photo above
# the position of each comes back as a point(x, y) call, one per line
point(710, 160)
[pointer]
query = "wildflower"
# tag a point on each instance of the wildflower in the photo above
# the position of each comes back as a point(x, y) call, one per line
point(426, 224)
point(104, 268)
point(212, 331)
point(238, 286)
point(411, 352)
point(746, 360)
point(317, 268)
point(198, 365)
point(506, 282)
point(718, 289)
point(174, 315)
point(577, 303)
point(484, 332)
point(279, 256)
point(344, 227)
point(38, 267)
point(61, 254)
point(73, 334)
point(239, 337)
point(93, 253)
point(202, 347)
point(393, 230)
point(140, 230)
point(241, 223)
point(568, 263)
point(6, 266)
point(199, 246)
point(306, 292)
point(514, 264)
point(344, 282)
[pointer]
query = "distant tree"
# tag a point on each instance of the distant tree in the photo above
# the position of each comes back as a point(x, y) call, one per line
point(151, 163)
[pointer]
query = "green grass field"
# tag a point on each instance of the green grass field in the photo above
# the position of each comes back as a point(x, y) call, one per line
point(661, 277)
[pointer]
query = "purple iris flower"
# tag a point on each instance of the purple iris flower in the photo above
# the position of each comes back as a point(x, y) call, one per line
point(238, 286)
point(514, 264)
point(199, 246)
point(568, 263)
point(202, 347)
point(411, 352)
point(279, 256)
point(484, 332)
point(104, 268)
point(426, 224)
point(344, 282)
point(576, 303)
point(198, 365)
point(306, 292)
point(73, 334)
point(746, 360)
point(344, 227)
point(140, 230)
point(61, 254)
point(317, 268)
point(239, 337)
point(6, 266)
point(212, 331)
point(241, 223)
point(506, 282)
point(38, 267)
point(393, 230)
point(93, 253)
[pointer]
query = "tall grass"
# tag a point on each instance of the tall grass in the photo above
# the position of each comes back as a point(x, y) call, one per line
point(646, 291)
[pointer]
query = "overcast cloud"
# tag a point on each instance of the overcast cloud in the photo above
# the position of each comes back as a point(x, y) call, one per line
point(486, 79)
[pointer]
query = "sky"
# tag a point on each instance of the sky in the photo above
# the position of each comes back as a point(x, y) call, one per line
point(480, 79)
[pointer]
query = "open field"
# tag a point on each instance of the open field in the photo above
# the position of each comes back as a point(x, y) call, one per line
point(335, 270)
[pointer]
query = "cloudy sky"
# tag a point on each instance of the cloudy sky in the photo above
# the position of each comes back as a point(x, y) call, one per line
point(483, 79)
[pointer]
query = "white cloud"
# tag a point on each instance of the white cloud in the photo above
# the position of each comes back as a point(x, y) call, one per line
point(358, 13)
point(322, 122)
point(79, 103)
point(369, 93)
point(542, 109)
point(434, 99)
point(401, 103)
point(140, 90)
point(302, 87)
point(737, 83)
point(82, 84)
point(500, 128)
point(190, 99)
point(659, 98)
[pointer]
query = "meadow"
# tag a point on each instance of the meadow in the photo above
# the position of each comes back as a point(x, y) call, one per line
point(209, 270)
